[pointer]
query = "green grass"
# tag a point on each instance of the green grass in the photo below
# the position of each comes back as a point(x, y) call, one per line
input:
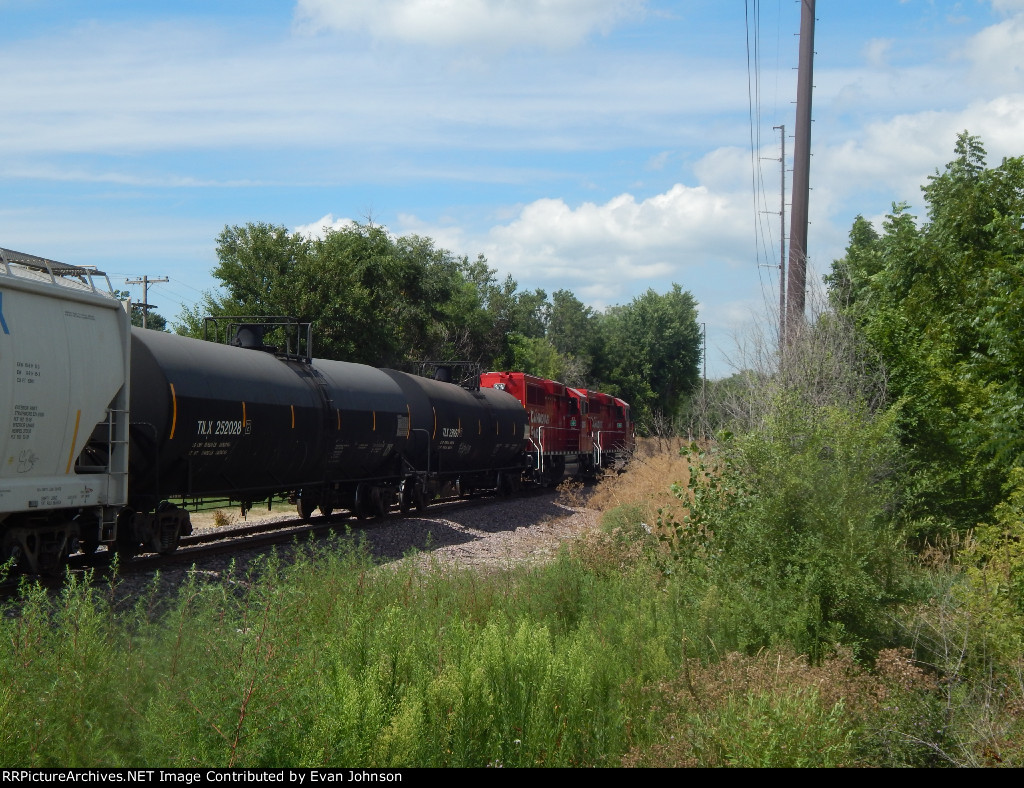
point(332, 661)
point(611, 654)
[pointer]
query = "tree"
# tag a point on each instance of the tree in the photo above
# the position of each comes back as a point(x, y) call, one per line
point(651, 351)
point(154, 320)
point(536, 356)
point(375, 299)
point(573, 331)
point(940, 305)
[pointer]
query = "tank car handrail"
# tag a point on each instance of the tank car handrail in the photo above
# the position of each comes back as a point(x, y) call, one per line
point(472, 380)
point(270, 321)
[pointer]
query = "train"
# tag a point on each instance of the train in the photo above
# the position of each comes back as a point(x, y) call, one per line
point(116, 432)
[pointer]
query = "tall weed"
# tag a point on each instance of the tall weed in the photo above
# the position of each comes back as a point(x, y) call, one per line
point(331, 661)
point(995, 576)
point(790, 528)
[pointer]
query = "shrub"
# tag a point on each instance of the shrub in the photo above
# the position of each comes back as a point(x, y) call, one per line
point(791, 527)
point(995, 576)
point(767, 710)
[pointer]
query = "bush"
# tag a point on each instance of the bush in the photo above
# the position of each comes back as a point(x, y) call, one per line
point(769, 710)
point(995, 576)
point(790, 526)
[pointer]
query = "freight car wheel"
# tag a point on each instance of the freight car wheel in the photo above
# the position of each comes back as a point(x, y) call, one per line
point(170, 544)
point(171, 521)
point(417, 496)
point(553, 472)
point(10, 550)
point(380, 503)
point(406, 498)
point(126, 548)
point(305, 506)
point(88, 533)
point(361, 507)
point(52, 559)
point(127, 544)
point(89, 545)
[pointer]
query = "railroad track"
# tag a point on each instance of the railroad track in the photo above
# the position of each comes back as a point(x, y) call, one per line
point(231, 540)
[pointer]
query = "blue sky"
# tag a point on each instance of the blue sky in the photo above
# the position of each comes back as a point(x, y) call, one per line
point(602, 146)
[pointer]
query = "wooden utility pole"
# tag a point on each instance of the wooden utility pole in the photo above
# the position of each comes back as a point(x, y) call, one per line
point(145, 281)
point(704, 358)
point(782, 240)
point(797, 279)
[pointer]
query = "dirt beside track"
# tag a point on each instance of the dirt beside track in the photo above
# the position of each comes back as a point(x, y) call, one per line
point(477, 532)
point(485, 533)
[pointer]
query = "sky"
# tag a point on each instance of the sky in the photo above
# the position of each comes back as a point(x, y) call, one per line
point(600, 146)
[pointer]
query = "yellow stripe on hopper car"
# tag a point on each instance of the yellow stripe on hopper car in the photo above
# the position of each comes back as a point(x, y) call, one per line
point(74, 440)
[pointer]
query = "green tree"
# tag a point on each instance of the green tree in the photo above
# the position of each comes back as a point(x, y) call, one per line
point(536, 356)
point(154, 320)
point(572, 329)
point(937, 302)
point(651, 351)
point(375, 299)
point(257, 267)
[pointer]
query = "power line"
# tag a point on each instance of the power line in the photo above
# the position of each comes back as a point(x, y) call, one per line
point(752, 7)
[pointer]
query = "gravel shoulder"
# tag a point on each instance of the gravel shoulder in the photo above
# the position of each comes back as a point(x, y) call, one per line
point(481, 532)
point(485, 533)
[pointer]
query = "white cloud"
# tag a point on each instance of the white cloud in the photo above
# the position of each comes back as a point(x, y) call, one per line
point(319, 228)
point(876, 52)
point(658, 162)
point(727, 169)
point(76, 174)
point(997, 55)
point(1008, 6)
point(477, 24)
point(898, 154)
point(606, 252)
point(175, 86)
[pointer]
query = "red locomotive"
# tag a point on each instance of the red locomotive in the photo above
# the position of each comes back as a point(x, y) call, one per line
point(568, 426)
point(608, 434)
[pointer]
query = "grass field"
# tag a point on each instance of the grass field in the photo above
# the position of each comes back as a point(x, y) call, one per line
point(626, 649)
